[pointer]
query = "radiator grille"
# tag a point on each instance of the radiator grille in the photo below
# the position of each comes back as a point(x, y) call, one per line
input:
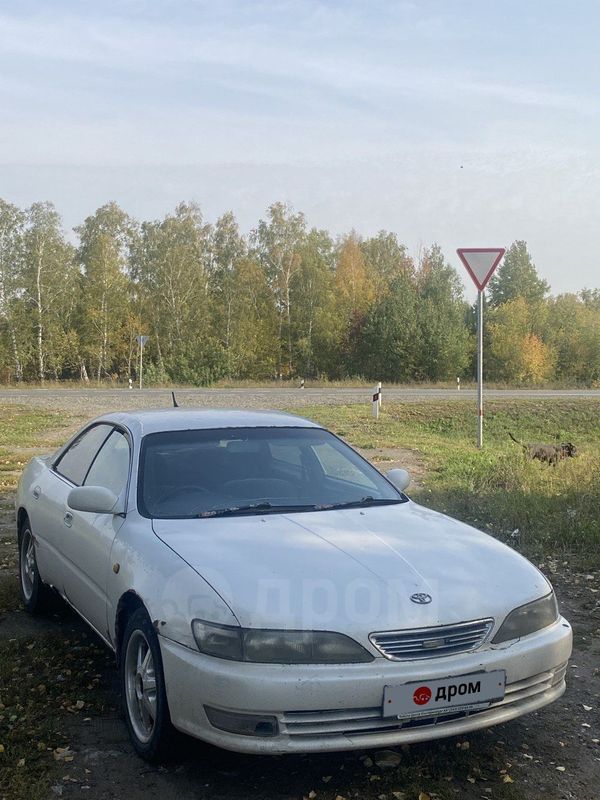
point(442, 640)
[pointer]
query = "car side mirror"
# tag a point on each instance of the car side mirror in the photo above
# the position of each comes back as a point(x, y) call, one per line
point(95, 499)
point(399, 477)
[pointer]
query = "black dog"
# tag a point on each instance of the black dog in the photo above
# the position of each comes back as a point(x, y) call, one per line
point(550, 453)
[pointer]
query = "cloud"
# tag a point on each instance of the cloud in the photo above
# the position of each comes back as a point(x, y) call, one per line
point(267, 55)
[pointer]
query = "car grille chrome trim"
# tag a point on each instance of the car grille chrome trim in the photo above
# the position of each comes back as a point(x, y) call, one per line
point(365, 721)
point(442, 640)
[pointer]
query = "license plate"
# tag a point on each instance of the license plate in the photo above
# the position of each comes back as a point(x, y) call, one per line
point(444, 695)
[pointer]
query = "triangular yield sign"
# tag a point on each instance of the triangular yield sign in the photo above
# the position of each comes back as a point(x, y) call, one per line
point(480, 263)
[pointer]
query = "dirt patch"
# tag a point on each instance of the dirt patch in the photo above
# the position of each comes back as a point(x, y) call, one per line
point(385, 458)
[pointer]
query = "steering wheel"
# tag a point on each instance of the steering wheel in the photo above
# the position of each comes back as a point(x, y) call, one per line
point(187, 488)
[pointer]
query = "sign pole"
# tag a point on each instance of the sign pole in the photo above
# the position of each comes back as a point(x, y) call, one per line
point(141, 361)
point(480, 263)
point(480, 368)
point(141, 340)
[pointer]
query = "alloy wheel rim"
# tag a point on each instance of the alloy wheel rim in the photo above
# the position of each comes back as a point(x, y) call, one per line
point(28, 565)
point(140, 686)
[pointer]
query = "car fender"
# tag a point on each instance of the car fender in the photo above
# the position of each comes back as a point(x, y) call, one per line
point(171, 590)
point(30, 475)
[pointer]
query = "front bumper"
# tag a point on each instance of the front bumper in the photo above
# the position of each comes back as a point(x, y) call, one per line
point(339, 707)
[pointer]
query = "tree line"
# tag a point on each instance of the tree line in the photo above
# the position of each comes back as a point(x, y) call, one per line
point(284, 301)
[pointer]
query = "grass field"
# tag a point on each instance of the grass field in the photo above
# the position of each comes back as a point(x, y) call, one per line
point(25, 432)
point(539, 509)
point(546, 512)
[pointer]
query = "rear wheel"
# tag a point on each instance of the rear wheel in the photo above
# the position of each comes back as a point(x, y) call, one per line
point(143, 689)
point(33, 591)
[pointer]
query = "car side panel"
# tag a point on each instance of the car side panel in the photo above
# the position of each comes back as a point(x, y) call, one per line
point(86, 546)
point(43, 495)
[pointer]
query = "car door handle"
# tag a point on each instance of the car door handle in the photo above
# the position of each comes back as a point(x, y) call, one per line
point(68, 519)
point(36, 492)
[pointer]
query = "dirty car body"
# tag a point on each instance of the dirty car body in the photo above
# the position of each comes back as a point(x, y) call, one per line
point(267, 590)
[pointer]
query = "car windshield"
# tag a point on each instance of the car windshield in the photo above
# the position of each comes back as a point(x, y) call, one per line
point(236, 471)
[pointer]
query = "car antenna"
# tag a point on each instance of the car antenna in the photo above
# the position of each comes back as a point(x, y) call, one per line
point(175, 403)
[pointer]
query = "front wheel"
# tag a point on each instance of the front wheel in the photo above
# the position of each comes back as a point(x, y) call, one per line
point(143, 688)
point(33, 591)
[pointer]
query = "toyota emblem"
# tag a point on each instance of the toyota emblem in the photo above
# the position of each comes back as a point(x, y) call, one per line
point(421, 598)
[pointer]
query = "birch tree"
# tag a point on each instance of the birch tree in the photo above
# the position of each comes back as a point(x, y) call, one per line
point(104, 256)
point(277, 241)
point(48, 282)
point(228, 249)
point(172, 266)
point(12, 225)
point(313, 286)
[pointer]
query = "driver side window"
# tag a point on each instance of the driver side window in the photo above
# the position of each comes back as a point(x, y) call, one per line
point(110, 468)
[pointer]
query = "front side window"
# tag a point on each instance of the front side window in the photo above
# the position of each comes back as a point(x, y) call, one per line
point(335, 464)
point(76, 461)
point(110, 468)
point(204, 473)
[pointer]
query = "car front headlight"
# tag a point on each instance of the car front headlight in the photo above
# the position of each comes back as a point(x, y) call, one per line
point(528, 619)
point(277, 646)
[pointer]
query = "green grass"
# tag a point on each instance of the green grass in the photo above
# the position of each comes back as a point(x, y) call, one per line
point(25, 427)
point(25, 432)
point(539, 509)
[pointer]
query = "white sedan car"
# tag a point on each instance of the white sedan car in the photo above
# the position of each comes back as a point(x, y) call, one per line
point(267, 590)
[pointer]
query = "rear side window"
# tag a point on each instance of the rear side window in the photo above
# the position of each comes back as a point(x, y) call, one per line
point(111, 466)
point(76, 461)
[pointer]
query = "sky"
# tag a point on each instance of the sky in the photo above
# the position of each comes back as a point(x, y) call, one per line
point(466, 123)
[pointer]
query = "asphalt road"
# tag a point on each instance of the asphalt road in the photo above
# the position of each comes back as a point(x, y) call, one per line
point(284, 397)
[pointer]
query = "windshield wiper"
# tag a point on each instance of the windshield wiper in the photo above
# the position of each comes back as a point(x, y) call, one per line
point(253, 508)
point(269, 508)
point(362, 503)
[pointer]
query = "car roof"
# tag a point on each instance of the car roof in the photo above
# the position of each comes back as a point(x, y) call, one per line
point(180, 419)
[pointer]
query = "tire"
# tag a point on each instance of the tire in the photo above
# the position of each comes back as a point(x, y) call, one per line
point(34, 593)
point(143, 690)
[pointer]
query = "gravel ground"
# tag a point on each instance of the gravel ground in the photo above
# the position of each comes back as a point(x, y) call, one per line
point(98, 401)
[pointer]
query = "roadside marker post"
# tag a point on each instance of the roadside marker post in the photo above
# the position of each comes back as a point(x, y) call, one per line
point(375, 403)
point(141, 340)
point(379, 391)
point(480, 263)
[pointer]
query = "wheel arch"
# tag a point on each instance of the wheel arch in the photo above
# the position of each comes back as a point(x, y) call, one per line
point(129, 602)
point(22, 515)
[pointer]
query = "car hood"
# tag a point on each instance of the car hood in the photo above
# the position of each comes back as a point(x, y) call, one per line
point(354, 571)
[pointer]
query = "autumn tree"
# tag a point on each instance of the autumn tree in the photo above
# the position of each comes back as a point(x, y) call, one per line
point(255, 323)
point(313, 286)
point(285, 300)
point(517, 277)
point(517, 353)
point(49, 282)
point(386, 258)
point(228, 248)
point(277, 243)
point(573, 331)
point(388, 346)
point(444, 343)
point(12, 226)
point(105, 241)
point(172, 269)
